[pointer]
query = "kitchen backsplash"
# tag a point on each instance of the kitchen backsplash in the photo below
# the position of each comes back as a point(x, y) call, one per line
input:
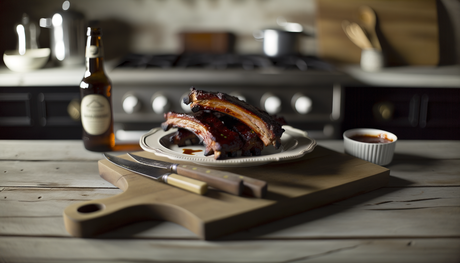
point(152, 26)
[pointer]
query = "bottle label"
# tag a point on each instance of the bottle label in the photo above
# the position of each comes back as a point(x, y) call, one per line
point(93, 52)
point(95, 114)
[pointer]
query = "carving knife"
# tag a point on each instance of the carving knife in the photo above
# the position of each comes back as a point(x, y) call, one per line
point(221, 180)
point(160, 175)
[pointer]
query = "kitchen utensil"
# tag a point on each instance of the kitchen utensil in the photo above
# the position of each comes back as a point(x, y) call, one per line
point(315, 180)
point(32, 59)
point(358, 40)
point(67, 36)
point(371, 58)
point(279, 42)
point(378, 153)
point(355, 30)
point(409, 28)
point(160, 175)
point(369, 19)
point(222, 180)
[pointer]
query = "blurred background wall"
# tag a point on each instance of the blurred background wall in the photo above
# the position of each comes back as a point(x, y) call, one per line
point(152, 26)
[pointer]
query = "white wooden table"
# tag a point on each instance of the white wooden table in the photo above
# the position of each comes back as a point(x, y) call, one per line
point(415, 218)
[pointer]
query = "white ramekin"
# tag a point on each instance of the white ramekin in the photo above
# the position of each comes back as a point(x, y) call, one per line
point(378, 153)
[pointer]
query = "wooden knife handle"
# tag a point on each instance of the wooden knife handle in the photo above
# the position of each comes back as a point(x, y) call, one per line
point(225, 181)
point(188, 184)
point(254, 187)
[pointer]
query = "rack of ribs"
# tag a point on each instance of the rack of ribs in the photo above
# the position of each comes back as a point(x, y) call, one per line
point(218, 139)
point(182, 136)
point(252, 143)
point(259, 121)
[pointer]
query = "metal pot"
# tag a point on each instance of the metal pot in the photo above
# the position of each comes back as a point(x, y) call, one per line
point(67, 36)
point(279, 42)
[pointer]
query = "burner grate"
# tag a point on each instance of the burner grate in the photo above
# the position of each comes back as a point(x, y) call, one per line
point(223, 61)
point(148, 61)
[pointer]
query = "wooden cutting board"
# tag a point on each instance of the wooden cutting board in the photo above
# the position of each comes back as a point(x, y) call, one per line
point(408, 30)
point(319, 178)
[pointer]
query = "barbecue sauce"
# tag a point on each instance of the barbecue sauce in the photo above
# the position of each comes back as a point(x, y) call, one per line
point(190, 151)
point(96, 98)
point(381, 138)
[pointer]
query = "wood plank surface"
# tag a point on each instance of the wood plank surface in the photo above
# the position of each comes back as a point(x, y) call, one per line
point(52, 174)
point(413, 219)
point(43, 150)
point(18, 249)
point(38, 211)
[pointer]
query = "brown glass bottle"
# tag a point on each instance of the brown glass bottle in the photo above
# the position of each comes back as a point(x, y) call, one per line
point(96, 97)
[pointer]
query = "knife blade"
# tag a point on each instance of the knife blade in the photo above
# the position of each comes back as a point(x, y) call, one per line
point(160, 175)
point(225, 181)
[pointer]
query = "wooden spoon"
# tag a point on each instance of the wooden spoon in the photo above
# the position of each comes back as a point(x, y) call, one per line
point(361, 42)
point(359, 33)
point(369, 19)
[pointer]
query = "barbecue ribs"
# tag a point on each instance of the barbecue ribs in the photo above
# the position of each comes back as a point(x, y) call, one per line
point(218, 139)
point(259, 121)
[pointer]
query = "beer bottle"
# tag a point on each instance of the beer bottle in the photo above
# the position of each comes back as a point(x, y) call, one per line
point(96, 97)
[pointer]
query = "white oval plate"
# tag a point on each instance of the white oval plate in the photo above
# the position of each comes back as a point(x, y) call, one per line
point(294, 144)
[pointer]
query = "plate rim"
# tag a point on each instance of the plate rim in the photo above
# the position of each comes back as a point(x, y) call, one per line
point(209, 161)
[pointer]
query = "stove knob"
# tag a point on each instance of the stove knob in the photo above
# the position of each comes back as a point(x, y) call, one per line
point(160, 103)
point(301, 104)
point(271, 103)
point(131, 104)
point(184, 106)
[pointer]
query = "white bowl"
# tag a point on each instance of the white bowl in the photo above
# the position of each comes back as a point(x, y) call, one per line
point(377, 153)
point(31, 60)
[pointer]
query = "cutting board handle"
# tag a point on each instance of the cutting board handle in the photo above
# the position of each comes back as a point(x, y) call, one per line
point(91, 218)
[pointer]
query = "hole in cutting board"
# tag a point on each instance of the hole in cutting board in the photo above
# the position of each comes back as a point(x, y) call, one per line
point(90, 208)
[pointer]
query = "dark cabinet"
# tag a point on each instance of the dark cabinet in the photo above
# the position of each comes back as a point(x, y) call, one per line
point(40, 113)
point(410, 113)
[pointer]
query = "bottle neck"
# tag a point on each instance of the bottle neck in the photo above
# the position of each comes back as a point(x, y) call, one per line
point(94, 54)
point(94, 65)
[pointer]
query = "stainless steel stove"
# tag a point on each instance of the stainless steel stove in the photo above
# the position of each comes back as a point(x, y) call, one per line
point(306, 91)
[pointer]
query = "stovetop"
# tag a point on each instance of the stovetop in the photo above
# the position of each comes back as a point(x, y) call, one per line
point(246, 62)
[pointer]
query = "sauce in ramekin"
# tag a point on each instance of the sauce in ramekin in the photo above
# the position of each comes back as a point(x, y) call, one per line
point(381, 138)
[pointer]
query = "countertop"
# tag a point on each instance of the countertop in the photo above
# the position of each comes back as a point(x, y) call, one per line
point(415, 218)
point(416, 76)
point(420, 76)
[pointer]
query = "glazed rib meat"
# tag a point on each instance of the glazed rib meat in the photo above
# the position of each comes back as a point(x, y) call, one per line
point(252, 143)
point(218, 139)
point(182, 136)
point(267, 128)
